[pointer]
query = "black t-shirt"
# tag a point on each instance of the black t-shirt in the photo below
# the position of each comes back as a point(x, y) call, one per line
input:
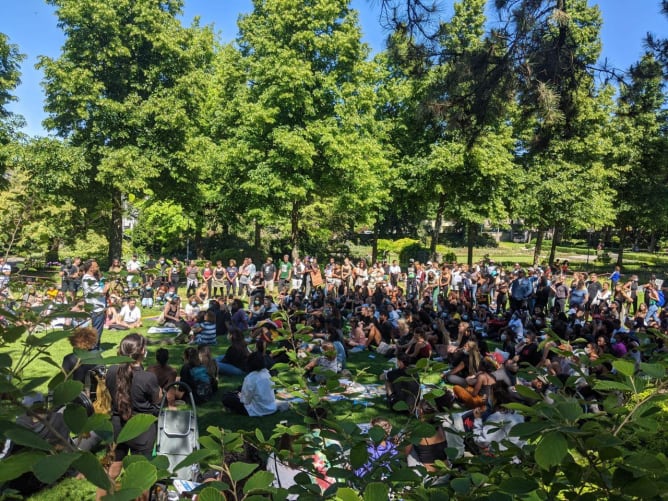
point(144, 391)
point(70, 361)
point(385, 329)
point(237, 357)
point(406, 390)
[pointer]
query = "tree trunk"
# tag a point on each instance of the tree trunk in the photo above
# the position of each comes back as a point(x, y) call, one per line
point(199, 245)
point(539, 246)
point(556, 236)
point(52, 253)
point(652, 242)
point(374, 246)
point(258, 234)
point(470, 240)
point(438, 223)
point(294, 229)
point(620, 252)
point(115, 234)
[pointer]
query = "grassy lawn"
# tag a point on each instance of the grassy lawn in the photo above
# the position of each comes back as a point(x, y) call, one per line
point(364, 366)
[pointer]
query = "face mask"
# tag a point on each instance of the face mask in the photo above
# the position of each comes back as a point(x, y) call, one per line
point(503, 337)
point(465, 317)
point(587, 351)
point(466, 352)
point(194, 303)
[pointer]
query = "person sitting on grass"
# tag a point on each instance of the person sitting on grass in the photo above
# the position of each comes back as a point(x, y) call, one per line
point(165, 373)
point(256, 397)
point(195, 375)
point(381, 453)
point(204, 333)
point(327, 362)
point(400, 386)
point(234, 362)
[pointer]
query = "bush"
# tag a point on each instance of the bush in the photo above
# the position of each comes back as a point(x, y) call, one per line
point(415, 251)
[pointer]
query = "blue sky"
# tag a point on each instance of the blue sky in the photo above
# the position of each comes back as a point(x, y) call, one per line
point(32, 25)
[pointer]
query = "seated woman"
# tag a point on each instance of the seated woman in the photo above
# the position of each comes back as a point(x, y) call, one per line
point(256, 397)
point(357, 337)
point(491, 432)
point(478, 392)
point(234, 362)
point(429, 449)
point(418, 347)
point(165, 373)
point(195, 375)
point(133, 391)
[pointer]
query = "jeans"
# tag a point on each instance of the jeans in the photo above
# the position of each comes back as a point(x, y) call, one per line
point(652, 313)
point(228, 369)
point(97, 319)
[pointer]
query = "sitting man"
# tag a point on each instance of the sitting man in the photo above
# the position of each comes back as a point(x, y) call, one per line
point(402, 386)
point(130, 315)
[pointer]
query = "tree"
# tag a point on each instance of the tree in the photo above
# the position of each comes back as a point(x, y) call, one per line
point(469, 92)
point(642, 123)
point(303, 139)
point(564, 127)
point(125, 90)
point(40, 207)
point(10, 59)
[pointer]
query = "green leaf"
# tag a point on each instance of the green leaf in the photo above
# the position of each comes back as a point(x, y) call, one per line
point(551, 450)
point(99, 423)
point(90, 466)
point(35, 383)
point(134, 427)
point(210, 494)
point(358, 455)
point(518, 485)
point(239, 470)
point(527, 392)
point(461, 485)
point(50, 468)
point(376, 491)
point(653, 370)
point(347, 494)
point(66, 392)
point(260, 480)
point(530, 429)
point(75, 418)
point(195, 457)
point(624, 367)
point(611, 386)
point(28, 438)
point(141, 475)
point(17, 464)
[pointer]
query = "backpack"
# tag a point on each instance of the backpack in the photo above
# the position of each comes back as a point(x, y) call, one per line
point(203, 390)
point(660, 298)
point(101, 398)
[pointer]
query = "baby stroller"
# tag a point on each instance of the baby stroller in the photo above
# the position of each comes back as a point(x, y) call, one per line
point(178, 435)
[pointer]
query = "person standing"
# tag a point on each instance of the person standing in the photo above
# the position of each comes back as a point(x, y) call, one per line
point(269, 275)
point(284, 274)
point(175, 274)
point(192, 278)
point(133, 268)
point(71, 277)
point(95, 295)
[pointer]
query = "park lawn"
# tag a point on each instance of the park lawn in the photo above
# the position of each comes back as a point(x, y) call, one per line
point(365, 368)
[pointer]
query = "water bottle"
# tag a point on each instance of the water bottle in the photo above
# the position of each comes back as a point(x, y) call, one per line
point(194, 473)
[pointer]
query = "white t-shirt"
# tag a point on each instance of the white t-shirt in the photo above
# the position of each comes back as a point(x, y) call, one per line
point(257, 393)
point(130, 316)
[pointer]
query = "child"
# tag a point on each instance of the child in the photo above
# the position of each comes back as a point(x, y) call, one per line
point(328, 362)
point(382, 452)
point(204, 333)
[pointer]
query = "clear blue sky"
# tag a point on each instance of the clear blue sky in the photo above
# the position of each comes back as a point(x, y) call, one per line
point(31, 24)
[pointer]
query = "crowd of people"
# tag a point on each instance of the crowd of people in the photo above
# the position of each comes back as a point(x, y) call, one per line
point(484, 322)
